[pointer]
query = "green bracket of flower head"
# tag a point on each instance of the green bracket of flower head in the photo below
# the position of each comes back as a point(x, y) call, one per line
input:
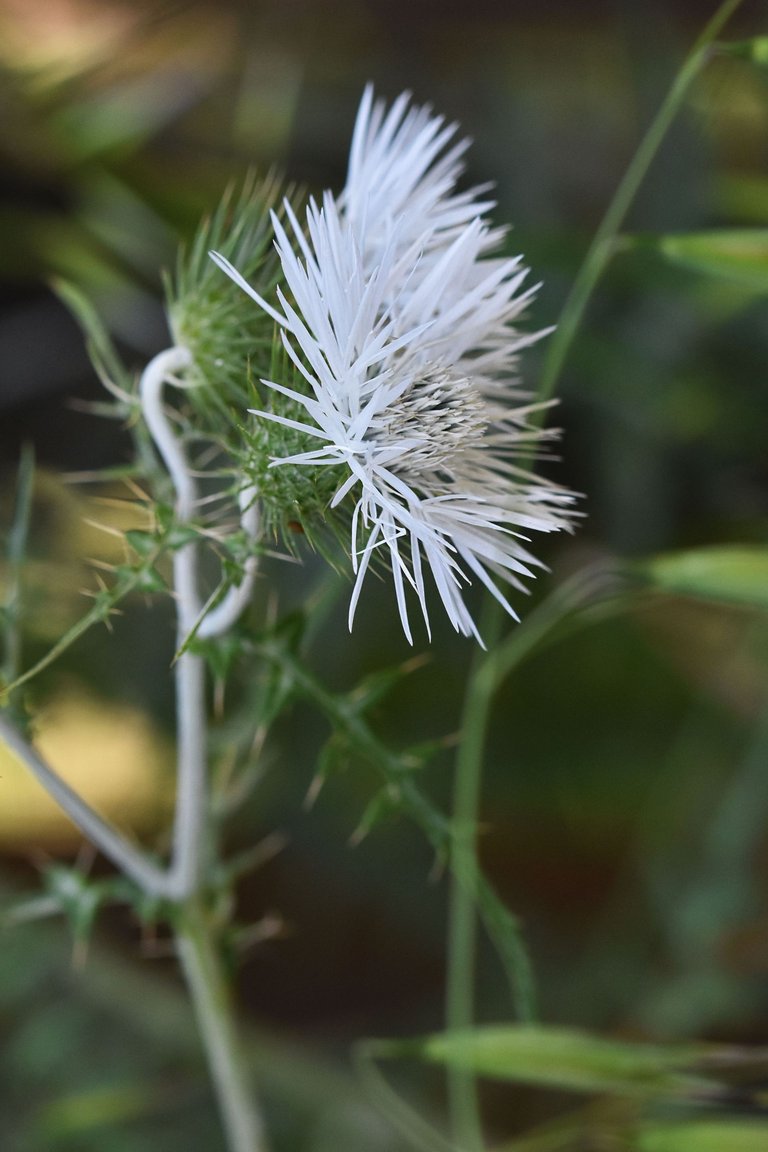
point(234, 344)
point(729, 574)
point(294, 500)
point(231, 339)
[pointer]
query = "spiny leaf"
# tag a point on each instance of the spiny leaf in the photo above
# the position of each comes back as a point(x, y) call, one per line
point(397, 776)
point(382, 807)
point(105, 601)
point(80, 898)
point(100, 347)
point(379, 684)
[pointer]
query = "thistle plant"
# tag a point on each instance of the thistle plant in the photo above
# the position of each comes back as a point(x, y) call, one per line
point(344, 375)
point(350, 382)
point(402, 330)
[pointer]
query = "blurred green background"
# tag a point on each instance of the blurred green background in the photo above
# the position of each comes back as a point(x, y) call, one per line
point(626, 791)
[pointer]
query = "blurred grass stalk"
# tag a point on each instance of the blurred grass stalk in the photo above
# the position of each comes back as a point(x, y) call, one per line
point(602, 247)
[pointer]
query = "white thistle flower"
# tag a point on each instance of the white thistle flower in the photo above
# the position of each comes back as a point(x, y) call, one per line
point(404, 333)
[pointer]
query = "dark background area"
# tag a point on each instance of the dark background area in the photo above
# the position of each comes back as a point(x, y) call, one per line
point(625, 796)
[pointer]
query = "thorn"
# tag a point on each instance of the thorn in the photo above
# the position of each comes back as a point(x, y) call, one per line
point(79, 953)
point(219, 692)
point(358, 836)
point(314, 790)
point(85, 858)
point(110, 531)
point(271, 926)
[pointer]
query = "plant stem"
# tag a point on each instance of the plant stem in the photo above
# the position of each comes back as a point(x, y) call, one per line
point(463, 1102)
point(224, 615)
point(124, 855)
point(189, 815)
point(17, 547)
point(210, 994)
point(191, 733)
point(196, 943)
point(601, 248)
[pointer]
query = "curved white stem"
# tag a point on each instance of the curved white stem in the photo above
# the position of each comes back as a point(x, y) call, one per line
point(225, 614)
point(191, 755)
point(157, 373)
point(189, 816)
point(211, 998)
point(201, 966)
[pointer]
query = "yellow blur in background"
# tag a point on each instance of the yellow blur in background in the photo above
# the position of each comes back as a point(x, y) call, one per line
point(111, 754)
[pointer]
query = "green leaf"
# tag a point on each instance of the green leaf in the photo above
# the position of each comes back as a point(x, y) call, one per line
point(143, 543)
point(733, 574)
point(745, 1135)
point(737, 254)
point(100, 1107)
point(744, 196)
point(754, 50)
point(563, 1059)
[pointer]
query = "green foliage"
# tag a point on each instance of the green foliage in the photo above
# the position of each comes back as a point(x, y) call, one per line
point(101, 349)
point(734, 1134)
point(569, 769)
point(736, 254)
point(140, 575)
point(730, 574)
point(400, 792)
point(755, 50)
point(566, 1059)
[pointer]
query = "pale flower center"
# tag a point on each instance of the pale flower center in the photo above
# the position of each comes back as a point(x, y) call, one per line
point(439, 416)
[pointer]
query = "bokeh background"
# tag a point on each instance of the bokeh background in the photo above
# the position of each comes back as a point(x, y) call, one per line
point(626, 791)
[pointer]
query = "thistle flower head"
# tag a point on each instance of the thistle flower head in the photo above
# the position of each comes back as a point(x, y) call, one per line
point(401, 329)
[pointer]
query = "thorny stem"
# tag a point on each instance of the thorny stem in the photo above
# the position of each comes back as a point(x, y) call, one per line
point(189, 819)
point(197, 946)
point(189, 816)
point(180, 883)
point(225, 614)
point(130, 859)
point(210, 993)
